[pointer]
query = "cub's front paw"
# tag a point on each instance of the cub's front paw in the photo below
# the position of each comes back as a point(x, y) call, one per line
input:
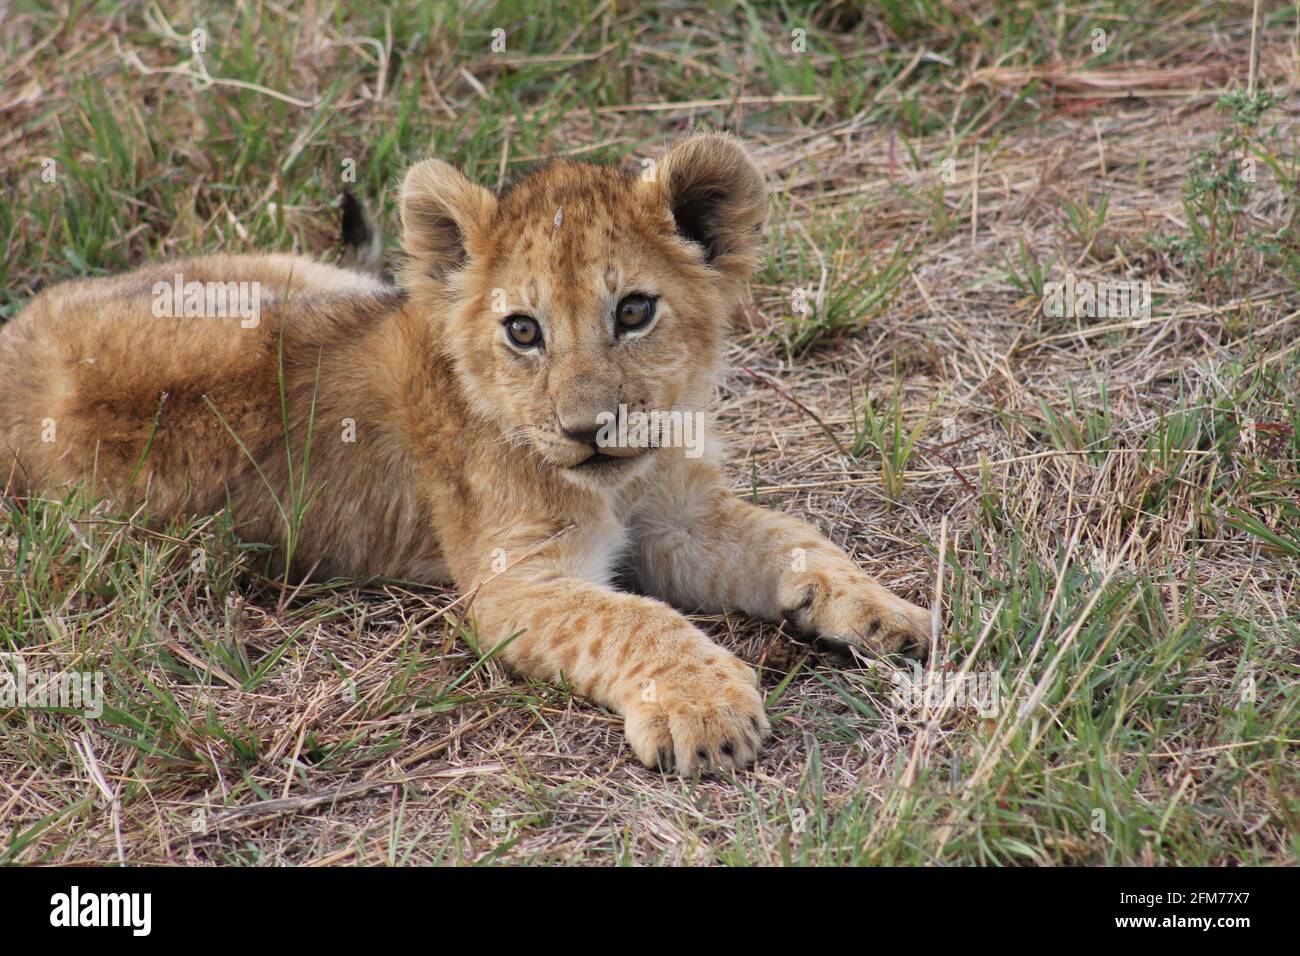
point(698, 712)
point(854, 610)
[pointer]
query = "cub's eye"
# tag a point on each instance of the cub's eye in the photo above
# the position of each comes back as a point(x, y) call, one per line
point(524, 332)
point(634, 312)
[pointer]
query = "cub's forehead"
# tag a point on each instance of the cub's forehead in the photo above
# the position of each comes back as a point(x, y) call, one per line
point(583, 184)
point(570, 212)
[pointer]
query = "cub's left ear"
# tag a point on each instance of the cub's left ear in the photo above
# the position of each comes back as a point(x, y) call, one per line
point(443, 214)
point(718, 199)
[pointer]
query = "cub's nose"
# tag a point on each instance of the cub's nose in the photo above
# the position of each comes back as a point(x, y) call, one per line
point(584, 434)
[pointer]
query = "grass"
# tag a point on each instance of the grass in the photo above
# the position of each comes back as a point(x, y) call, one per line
point(1107, 510)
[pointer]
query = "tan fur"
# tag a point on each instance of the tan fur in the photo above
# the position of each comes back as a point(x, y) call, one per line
point(461, 468)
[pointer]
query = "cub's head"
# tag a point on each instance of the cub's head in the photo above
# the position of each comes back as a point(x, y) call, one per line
point(586, 292)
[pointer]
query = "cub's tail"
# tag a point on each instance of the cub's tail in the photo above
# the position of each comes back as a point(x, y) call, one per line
point(363, 246)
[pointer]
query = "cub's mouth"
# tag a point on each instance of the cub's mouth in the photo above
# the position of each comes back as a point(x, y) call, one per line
point(599, 461)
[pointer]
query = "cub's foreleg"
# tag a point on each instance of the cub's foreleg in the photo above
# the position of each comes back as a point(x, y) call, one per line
point(700, 547)
point(686, 702)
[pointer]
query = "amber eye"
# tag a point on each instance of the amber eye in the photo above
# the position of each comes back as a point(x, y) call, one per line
point(634, 312)
point(524, 332)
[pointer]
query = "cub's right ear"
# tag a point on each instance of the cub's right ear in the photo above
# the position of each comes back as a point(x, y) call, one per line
point(443, 216)
point(718, 200)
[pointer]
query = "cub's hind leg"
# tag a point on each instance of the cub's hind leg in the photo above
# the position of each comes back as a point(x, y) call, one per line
point(96, 385)
point(100, 390)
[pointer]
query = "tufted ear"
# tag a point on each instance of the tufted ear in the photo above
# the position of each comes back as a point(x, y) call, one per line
point(442, 214)
point(718, 200)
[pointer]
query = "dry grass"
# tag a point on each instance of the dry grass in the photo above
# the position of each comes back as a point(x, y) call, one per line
point(1107, 508)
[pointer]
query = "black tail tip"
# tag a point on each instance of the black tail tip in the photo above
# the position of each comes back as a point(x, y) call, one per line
point(355, 231)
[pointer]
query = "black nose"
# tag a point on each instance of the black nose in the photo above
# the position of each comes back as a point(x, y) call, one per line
point(586, 437)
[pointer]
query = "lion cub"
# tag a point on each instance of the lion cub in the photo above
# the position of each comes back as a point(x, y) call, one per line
point(520, 416)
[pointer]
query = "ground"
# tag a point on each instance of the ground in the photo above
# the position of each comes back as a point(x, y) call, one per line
point(1107, 509)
